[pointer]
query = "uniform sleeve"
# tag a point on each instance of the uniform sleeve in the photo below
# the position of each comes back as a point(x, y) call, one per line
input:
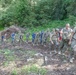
point(74, 30)
point(71, 30)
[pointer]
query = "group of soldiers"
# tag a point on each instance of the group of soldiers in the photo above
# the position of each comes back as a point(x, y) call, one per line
point(14, 38)
point(58, 40)
point(61, 41)
point(62, 37)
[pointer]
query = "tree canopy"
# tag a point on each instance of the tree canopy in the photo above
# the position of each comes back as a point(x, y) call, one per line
point(35, 12)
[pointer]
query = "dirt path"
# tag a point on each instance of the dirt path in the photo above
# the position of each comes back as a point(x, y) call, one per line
point(17, 56)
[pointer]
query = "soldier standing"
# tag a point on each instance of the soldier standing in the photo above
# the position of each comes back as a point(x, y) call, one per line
point(37, 38)
point(44, 38)
point(33, 38)
point(20, 38)
point(2, 39)
point(74, 41)
point(13, 38)
point(66, 39)
point(74, 37)
point(41, 34)
point(27, 37)
point(54, 40)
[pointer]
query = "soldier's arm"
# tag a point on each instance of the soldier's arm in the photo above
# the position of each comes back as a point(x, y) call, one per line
point(71, 36)
point(72, 32)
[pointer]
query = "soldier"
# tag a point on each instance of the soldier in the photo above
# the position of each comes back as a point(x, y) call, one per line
point(74, 42)
point(54, 40)
point(44, 38)
point(47, 35)
point(27, 37)
point(21, 38)
point(37, 37)
point(2, 39)
point(74, 37)
point(66, 39)
point(51, 42)
point(60, 37)
point(33, 38)
point(41, 34)
point(17, 37)
point(13, 38)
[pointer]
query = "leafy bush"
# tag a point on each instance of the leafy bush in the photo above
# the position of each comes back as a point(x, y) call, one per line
point(32, 13)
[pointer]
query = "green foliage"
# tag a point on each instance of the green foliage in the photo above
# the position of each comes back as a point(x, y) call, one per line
point(14, 72)
point(5, 64)
point(29, 13)
point(33, 69)
point(9, 55)
point(71, 9)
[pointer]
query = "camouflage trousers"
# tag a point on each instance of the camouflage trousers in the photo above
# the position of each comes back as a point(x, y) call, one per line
point(64, 46)
point(54, 46)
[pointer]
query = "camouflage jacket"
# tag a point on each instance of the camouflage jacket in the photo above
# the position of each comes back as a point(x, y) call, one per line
point(66, 33)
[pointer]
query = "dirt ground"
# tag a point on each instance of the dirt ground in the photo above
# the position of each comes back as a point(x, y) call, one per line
point(16, 57)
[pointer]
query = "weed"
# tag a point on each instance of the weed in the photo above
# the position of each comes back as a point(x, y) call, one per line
point(14, 72)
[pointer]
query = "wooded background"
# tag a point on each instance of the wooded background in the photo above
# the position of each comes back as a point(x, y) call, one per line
point(27, 13)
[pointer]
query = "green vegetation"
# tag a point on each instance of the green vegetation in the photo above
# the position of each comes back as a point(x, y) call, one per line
point(33, 69)
point(53, 24)
point(34, 13)
point(28, 70)
point(9, 55)
point(14, 72)
point(5, 64)
point(31, 53)
point(1, 27)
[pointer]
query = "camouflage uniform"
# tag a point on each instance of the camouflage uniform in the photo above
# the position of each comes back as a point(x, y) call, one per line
point(74, 37)
point(13, 37)
point(33, 38)
point(41, 34)
point(27, 37)
point(37, 37)
point(54, 39)
point(46, 37)
point(19, 38)
point(74, 42)
point(65, 46)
